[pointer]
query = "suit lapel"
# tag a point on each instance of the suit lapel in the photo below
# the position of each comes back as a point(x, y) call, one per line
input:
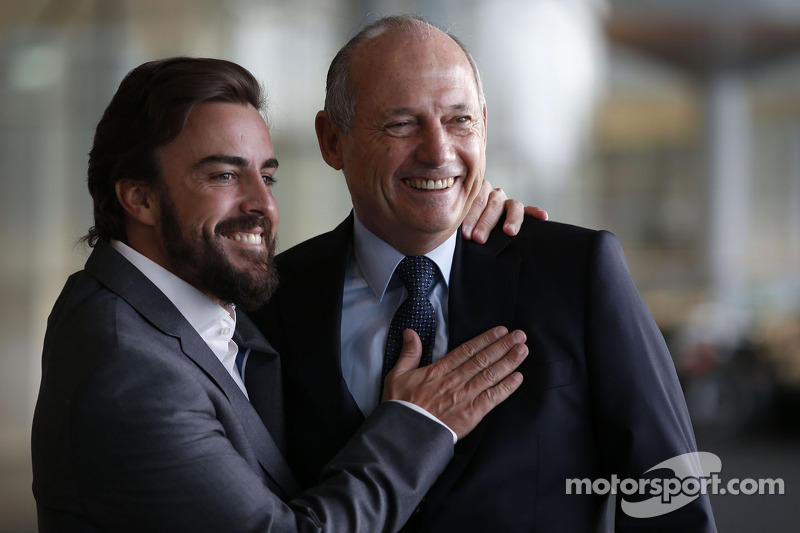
point(303, 321)
point(120, 276)
point(266, 449)
point(262, 378)
point(482, 284)
point(318, 355)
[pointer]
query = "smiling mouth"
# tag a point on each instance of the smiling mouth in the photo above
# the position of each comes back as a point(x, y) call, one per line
point(429, 185)
point(247, 238)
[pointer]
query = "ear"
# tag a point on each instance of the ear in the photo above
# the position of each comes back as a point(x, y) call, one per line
point(329, 138)
point(137, 198)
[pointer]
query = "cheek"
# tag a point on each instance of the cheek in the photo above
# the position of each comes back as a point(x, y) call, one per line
point(474, 157)
point(206, 221)
point(395, 155)
point(374, 175)
point(275, 217)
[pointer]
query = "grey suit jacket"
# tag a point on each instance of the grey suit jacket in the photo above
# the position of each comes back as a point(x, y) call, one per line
point(138, 427)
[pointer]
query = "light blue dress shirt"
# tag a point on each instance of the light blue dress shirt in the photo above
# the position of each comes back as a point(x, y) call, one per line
point(371, 296)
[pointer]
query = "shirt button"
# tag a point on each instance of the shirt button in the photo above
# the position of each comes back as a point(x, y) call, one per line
point(225, 331)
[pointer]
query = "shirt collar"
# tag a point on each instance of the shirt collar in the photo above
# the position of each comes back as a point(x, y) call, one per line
point(206, 316)
point(377, 259)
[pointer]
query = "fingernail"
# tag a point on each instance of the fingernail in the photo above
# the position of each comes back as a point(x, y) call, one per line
point(511, 227)
point(478, 234)
point(519, 336)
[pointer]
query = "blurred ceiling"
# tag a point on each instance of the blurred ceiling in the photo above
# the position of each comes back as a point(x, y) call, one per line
point(696, 35)
point(702, 36)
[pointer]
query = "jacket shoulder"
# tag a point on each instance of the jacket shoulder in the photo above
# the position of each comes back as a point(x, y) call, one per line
point(549, 239)
point(313, 247)
point(545, 230)
point(316, 252)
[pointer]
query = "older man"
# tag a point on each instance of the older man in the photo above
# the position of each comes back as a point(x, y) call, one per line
point(405, 120)
point(143, 421)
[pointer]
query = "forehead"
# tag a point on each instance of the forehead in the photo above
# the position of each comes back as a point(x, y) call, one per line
point(221, 128)
point(224, 121)
point(398, 63)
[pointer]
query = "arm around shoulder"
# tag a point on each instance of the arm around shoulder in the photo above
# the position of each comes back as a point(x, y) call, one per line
point(154, 445)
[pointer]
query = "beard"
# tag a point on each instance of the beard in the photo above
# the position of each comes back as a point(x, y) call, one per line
point(201, 260)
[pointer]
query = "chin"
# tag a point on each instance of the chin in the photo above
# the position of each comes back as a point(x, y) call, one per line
point(438, 225)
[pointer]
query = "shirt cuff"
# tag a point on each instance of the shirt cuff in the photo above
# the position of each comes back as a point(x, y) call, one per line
point(422, 411)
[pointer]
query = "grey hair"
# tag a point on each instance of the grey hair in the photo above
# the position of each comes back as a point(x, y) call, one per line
point(340, 97)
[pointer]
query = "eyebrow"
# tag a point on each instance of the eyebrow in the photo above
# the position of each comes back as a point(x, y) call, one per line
point(410, 111)
point(232, 160)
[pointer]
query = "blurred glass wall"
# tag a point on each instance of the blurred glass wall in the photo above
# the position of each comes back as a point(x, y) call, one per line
point(675, 124)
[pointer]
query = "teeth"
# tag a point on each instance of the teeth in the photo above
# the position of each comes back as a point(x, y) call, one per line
point(249, 238)
point(431, 185)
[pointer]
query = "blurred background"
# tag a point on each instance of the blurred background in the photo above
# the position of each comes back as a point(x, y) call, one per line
point(673, 123)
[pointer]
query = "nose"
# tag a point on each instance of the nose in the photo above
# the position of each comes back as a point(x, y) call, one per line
point(257, 198)
point(435, 148)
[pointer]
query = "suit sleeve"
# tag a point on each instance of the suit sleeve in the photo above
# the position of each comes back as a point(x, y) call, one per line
point(156, 447)
point(638, 406)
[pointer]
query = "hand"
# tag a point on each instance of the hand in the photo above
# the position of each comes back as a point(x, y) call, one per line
point(485, 212)
point(463, 386)
point(535, 212)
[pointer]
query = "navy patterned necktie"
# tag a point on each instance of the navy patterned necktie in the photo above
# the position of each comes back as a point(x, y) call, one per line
point(416, 312)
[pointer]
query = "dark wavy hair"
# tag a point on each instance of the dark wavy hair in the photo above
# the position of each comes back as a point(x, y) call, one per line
point(147, 112)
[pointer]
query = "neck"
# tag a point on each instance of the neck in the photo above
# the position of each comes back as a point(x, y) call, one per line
point(415, 244)
point(412, 243)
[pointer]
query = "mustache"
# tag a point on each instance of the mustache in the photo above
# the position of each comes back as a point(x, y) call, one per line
point(244, 223)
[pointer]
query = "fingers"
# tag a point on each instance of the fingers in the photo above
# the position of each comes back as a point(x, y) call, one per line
point(476, 210)
point(500, 361)
point(483, 382)
point(410, 353)
point(490, 216)
point(466, 351)
point(536, 212)
point(494, 396)
point(514, 216)
point(493, 363)
point(488, 207)
point(460, 388)
point(409, 357)
point(484, 214)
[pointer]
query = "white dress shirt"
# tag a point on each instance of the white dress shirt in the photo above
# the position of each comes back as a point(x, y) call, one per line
point(211, 321)
point(371, 296)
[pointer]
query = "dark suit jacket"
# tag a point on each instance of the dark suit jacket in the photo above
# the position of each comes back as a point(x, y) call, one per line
point(600, 394)
point(138, 427)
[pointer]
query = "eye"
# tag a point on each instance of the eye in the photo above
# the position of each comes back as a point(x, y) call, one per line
point(462, 125)
point(401, 128)
point(269, 180)
point(225, 177)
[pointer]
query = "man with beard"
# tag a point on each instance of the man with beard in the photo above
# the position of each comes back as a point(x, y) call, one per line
point(143, 421)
